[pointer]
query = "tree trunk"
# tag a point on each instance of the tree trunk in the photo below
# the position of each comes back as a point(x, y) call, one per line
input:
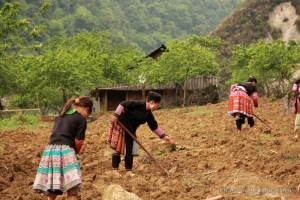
point(1, 107)
point(38, 102)
point(184, 94)
point(266, 86)
point(143, 92)
point(64, 95)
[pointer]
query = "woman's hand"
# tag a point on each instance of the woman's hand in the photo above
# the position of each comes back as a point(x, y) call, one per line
point(115, 119)
point(78, 146)
point(168, 139)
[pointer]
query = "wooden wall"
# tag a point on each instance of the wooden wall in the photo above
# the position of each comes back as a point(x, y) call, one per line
point(110, 99)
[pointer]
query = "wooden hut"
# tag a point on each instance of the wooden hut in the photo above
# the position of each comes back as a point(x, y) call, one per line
point(108, 98)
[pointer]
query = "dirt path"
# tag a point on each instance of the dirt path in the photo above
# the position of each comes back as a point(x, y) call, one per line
point(214, 160)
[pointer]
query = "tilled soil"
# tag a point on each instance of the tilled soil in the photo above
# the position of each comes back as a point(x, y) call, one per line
point(212, 160)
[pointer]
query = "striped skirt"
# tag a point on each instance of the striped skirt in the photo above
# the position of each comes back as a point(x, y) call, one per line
point(116, 137)
point(239, 102)
point(58, 171)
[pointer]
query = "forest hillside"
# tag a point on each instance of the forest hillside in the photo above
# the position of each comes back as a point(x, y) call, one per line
point(145, 24)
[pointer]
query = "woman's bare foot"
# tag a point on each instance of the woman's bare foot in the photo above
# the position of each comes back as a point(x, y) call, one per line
point(129, 173)
point(116, 173)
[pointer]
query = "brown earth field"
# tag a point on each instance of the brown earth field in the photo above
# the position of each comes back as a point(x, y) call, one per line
point(213, 161)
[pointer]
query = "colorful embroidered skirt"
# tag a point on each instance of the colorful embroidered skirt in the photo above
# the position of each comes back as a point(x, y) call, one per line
point(116, 137)
point(58, 171)
point(239, 102)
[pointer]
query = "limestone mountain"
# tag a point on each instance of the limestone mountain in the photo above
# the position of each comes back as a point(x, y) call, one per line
point(261, 19)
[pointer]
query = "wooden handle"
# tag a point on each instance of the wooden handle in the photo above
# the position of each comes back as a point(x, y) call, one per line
point(131, 135)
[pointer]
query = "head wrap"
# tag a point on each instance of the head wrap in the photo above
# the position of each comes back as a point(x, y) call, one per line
point(153, 96)
point(252, 78)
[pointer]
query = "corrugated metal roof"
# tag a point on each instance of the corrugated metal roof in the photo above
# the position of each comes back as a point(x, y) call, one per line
point(121, 87)
point(198, 82)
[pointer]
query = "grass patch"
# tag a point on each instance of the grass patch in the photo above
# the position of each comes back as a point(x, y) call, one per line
point(197, 128)
point(20, 120)
point(159, 153)
point(201, 110)
point(259, 150)
point(288, 147)
point(195, 182)
point(192, 110)
point(267, 136)
point(289, 156)
point(282, 129)
point(45, 125)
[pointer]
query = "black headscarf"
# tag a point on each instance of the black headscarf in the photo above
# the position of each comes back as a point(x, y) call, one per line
point(153, 96)
point(252, 78)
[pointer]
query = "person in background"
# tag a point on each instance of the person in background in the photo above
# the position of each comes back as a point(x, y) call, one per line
point(59, 168)
point(239, 103)
point(295, 86)
point(132, 114)
point(297, 110)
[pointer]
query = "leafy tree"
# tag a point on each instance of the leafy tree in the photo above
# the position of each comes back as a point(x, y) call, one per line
point(70, 65)
point(67, 64)
point(272, 63)
point(13, 36)
point(182, 61)
point(117, 64)
point(27, 93)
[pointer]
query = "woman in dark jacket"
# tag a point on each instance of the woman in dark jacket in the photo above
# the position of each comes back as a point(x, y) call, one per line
point(239, 103)
point(132, 114)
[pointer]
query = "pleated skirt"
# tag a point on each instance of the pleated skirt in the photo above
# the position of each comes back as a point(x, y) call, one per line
point(239, 102)
point(58, 171)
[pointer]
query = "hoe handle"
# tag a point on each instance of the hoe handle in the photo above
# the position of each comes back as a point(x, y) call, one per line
point(131, 135)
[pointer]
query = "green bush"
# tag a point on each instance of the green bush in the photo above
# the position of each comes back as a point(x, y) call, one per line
point(272, 99)
point(19, 120)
